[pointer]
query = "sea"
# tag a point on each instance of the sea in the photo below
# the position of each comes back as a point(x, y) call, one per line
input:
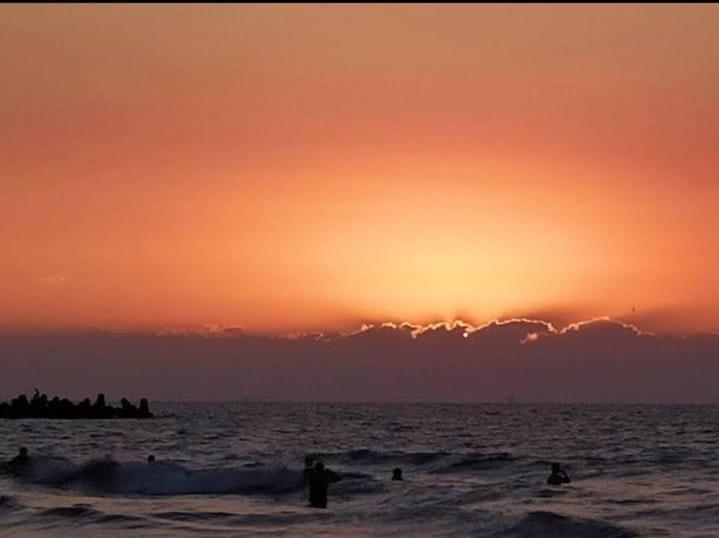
point(236, 469)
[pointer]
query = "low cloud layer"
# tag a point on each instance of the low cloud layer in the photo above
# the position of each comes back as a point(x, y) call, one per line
point(527, 360)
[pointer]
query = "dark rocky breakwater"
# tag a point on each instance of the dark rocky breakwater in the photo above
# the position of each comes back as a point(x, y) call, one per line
point(40, 406)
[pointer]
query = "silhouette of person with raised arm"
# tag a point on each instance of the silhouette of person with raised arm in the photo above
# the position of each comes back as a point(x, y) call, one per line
point(558, 476)
point(320, 479)
point(397, 474)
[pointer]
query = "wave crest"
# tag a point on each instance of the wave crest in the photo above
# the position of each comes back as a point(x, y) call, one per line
point(543, 523)
point(160, 478)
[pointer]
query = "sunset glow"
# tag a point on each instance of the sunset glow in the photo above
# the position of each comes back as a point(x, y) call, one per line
point(315, 269)
point(288, 168)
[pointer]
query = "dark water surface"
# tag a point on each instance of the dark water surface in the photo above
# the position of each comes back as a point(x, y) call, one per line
point(235, 469)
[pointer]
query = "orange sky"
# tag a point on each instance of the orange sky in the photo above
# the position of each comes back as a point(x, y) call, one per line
point(311, 167)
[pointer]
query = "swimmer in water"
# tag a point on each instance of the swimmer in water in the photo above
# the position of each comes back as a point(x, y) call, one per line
point(20, 463)
point(21, 459)
point(558, 476)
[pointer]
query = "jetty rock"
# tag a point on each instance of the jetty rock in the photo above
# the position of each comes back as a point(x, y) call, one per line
point(55, 408)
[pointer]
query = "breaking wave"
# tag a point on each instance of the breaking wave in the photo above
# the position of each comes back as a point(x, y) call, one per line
point(158, 478)
point(540, 524)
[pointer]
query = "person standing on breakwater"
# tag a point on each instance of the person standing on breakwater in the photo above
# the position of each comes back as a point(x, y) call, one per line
point(320, 479)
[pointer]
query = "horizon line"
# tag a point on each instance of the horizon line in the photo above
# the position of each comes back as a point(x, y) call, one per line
point(415, 329)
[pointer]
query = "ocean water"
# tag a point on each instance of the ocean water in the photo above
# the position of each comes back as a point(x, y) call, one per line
point(235, 469)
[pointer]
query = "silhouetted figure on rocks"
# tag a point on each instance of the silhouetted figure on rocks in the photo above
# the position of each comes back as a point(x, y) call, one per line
point(151, 458)
point(320, 479)
point(558, 476)
point(397, 474)
point(38, 404)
